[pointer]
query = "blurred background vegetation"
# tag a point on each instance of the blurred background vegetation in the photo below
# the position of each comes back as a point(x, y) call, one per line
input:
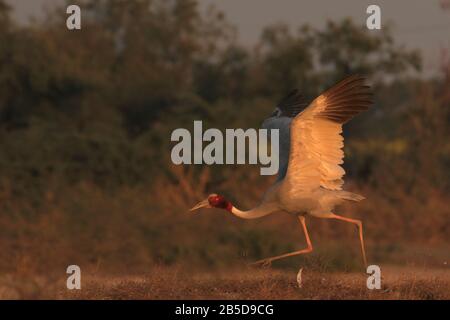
point(85, 123)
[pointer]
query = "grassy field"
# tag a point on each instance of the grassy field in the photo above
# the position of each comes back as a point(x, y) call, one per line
point(250, 283)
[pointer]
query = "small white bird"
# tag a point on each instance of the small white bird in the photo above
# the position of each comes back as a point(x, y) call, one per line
point(312, 184)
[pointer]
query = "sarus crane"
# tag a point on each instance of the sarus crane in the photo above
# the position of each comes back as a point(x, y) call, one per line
point(310, 175)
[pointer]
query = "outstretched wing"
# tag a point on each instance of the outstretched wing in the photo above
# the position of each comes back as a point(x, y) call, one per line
point(316, 141)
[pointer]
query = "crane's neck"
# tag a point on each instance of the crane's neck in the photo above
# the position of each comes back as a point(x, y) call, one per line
point(257, 212)
point(263, 209)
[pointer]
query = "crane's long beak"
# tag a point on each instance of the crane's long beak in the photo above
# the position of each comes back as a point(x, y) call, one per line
point(201, 204)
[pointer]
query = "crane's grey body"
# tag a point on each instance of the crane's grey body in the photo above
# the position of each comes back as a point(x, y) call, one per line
point(283, 124)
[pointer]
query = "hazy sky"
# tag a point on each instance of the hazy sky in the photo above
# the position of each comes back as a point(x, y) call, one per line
point(418, 24)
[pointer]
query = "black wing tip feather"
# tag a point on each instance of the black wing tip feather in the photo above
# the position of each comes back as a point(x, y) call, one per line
point(346, 99)
point(292, 104)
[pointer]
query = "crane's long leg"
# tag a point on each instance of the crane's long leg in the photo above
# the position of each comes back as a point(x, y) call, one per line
point(268, 261)
point(360, 228)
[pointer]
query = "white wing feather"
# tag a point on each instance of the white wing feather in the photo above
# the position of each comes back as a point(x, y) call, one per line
point(316, 141)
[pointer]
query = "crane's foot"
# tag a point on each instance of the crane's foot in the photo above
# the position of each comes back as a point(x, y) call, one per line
point(263, 263)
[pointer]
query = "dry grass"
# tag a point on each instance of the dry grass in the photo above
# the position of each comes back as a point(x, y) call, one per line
point(176, 283)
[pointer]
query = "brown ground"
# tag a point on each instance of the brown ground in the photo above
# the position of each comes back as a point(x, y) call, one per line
point(163, 283)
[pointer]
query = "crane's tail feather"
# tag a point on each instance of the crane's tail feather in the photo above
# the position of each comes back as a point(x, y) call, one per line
point(351, 196)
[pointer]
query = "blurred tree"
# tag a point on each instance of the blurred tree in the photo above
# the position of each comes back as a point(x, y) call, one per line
point(102, 103)
point(5, 22)
point(287, 61)
point(345, 48)
point(227, 77)
point(157, 43)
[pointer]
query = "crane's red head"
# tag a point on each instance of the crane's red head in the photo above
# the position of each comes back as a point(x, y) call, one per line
point(214, 201)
